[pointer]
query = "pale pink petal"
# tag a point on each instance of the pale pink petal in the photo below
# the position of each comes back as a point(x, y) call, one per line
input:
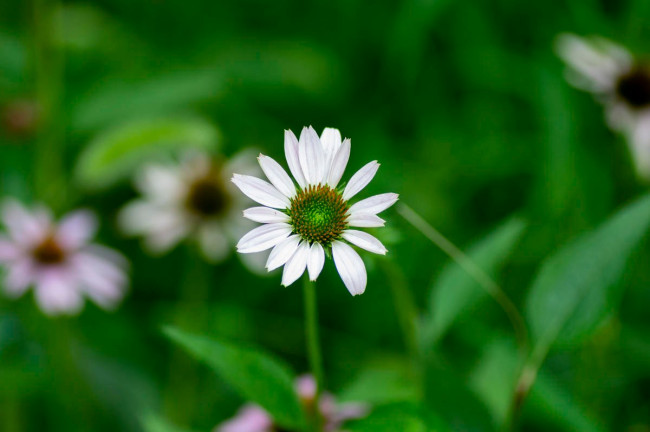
point(350, 267)
point(57, 293)
point(20, 274)
point(25, 228)
point(8, 250)
point(306, 387)
point(213, 242)
point(360, 180)
point(291, 146)
point(76, 229)
point(250, 418)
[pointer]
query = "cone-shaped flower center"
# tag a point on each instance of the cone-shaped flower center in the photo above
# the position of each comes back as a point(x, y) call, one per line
point(49, 252)
point(207, 197)
point(318, 214)
point(634, 87)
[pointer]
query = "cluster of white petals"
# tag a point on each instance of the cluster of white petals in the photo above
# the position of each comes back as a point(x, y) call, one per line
point(318, 162)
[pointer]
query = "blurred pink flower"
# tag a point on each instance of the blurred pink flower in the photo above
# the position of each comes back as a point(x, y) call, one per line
point(58, 260)
point(193, 199)
point(252, 418)
point(620, 82)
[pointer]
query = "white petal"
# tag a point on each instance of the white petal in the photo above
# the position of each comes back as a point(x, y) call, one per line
point(293, 159)
point(295, 267)
point(360, 179)
point(316, 261)
point(260, 191)
point(364, 241)
point(312, 156)
point(365, 220)
point(350, 266)
point(103, 280)
point(160, 183)
point(265, 215)
point(330, 139)
point(214, 244)
point(277, 175)
point(263, 237)
point(282, 252)
point(77, 229)
point(339, 163)
point(374, 204)
point(19, 276)
point(639, 144)
point(24, 227)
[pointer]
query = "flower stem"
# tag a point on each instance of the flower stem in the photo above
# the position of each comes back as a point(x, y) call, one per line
point(313, 345)
point(466, 263)
point(48, 69)
point(404, 307)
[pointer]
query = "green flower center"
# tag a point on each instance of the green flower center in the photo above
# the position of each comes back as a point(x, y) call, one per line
point(319, 214)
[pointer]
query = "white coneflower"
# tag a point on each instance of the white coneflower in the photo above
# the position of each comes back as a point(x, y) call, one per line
point(619, 81)
point(252, 418)
point(58, 260)
point(302, 223)
point(190, 199)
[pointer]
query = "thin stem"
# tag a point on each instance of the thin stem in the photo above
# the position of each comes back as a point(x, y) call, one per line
point(48, 69)
point(404, 307)
point(472, 269)
point(313, 344)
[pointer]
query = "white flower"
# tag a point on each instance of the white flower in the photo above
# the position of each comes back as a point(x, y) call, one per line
point(58, 260)
point(302, 223)
point(252, 418)
point(190, 199)
point(619, 82)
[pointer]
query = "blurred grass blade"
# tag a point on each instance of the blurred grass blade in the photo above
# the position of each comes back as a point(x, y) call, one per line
point(115, 153)
point(577, 286)
point(385, 386)
point(257, 377)
point(403, 417)
point(455, 292)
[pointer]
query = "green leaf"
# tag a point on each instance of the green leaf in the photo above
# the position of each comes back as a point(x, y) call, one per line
point(455, 292)
point(378, 387)
point(257, 376)
point(153, 423)
point(403, 417)
point(576, 286)
point(114, 154)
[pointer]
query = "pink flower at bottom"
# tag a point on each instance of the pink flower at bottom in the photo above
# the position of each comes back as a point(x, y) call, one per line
point(58, 260)
point(252, 418)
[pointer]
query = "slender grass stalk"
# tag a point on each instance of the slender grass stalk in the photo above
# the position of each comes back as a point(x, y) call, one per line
point(404, 307)
point(466, 263)
point(49, 75)
point(313, 346)
point(182, 391)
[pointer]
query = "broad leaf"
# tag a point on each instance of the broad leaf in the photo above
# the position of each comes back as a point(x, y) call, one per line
point(378, 387)
point(117, 152)
point(456, 292)
point(577, 285)
point(403, 417)
point(153, 423)
point(257, 377)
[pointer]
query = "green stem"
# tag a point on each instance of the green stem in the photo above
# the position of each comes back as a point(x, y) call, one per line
point(48, 69)
point(404, 307)
point(466, 263)
point(181, 394)
point(313, 345)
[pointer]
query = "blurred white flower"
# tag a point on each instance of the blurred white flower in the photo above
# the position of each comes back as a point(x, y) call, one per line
point(252, 418)
point(620, 82)
point(190, 199)
point(300, 224)
point(59, 260)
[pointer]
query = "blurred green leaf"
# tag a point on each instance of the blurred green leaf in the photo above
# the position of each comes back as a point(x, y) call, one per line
point(118, 101)
point(114, 154)
point(403, 417)
point(378, 387)
point(13, 61)
point(255, 375)
point(455, 292)
point(153, 423)
point(576, 286)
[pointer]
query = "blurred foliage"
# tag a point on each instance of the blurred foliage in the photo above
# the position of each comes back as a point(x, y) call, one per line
point(465, 106)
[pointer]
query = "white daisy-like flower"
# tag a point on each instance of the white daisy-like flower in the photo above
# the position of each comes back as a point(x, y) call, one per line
point(302, 223)
point(59, 260)
point(253, 418)
point(191, 199)
point(620, 82)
